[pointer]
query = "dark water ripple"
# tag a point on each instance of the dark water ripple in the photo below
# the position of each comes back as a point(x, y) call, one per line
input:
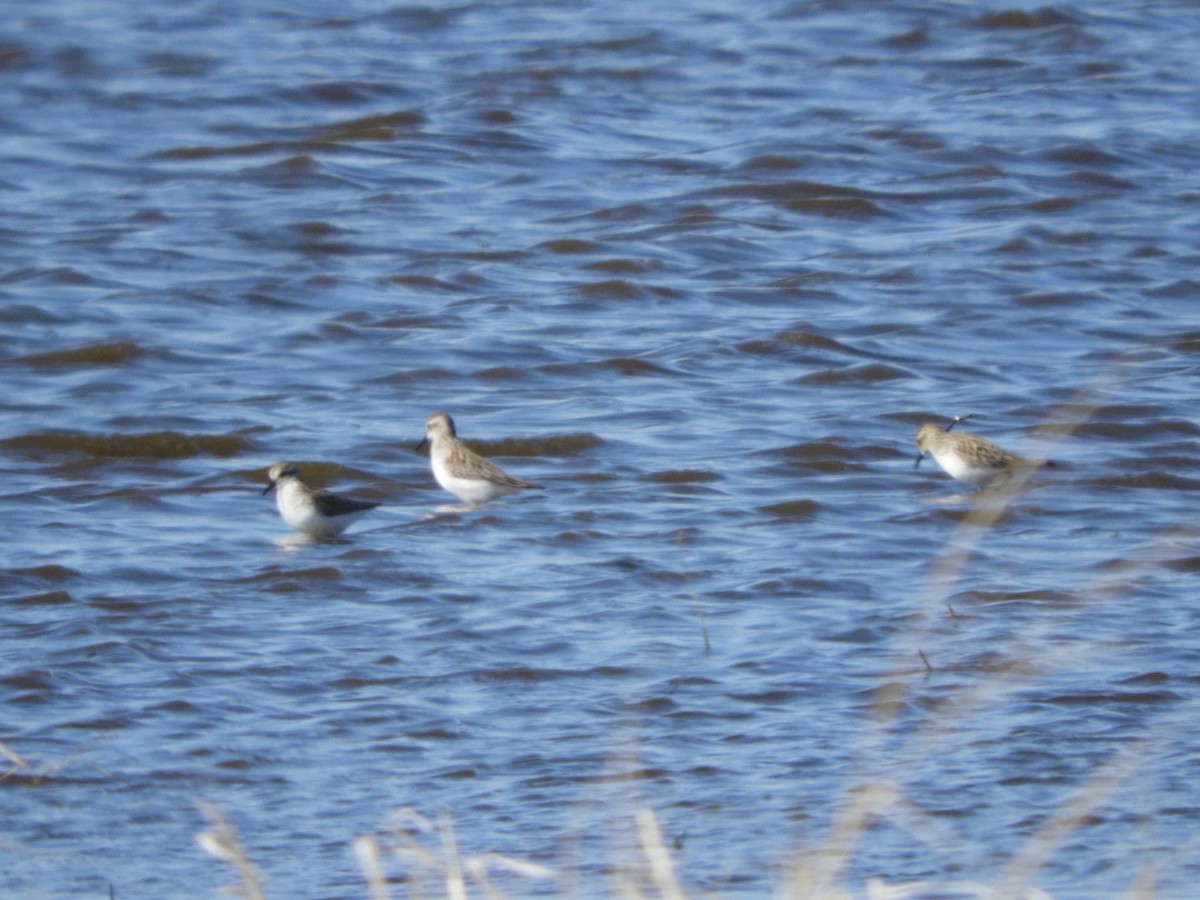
point(701, 271)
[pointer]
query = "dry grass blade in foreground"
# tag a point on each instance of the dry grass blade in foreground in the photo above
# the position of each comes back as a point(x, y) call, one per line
point(221, 841)
point(439, 872)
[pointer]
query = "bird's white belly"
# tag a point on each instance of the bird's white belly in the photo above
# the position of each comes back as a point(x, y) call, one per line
point(961, 470)
point(469, 490)
point(302, 514)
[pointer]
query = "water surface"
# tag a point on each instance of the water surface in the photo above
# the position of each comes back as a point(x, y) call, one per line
point(700, 269)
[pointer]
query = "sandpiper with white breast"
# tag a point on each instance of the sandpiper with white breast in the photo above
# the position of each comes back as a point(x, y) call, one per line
point(317, 513)
point(969, 458)
point(462, 471)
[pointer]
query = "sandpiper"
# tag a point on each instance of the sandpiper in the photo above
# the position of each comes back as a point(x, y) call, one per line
point(970, 458)
point(317, 513)
point(462, 471)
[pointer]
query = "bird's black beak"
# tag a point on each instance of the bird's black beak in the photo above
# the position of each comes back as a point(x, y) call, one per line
point(421, 446)
point(267, 489)
point(920, 456)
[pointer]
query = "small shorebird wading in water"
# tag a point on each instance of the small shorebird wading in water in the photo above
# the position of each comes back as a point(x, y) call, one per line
point(969, 458)
point(318, 514)
point(462, 471)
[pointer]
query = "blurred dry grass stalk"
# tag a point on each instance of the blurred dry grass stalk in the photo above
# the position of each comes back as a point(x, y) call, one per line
point(442, 871)
point(221, 841)
point(18, 762)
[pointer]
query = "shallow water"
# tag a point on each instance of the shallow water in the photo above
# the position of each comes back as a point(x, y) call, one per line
point(701, 270)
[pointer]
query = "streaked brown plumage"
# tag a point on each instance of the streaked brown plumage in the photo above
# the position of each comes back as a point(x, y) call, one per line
point(970, 458)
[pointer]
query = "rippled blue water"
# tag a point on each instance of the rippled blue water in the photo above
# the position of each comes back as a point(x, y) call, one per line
point(701, 269)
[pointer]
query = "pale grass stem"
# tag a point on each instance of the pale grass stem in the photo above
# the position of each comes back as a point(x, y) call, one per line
point(31, 772)
point(696, 604)
point(367, 852)
point(456, 888)
point(13, 757)
point(221, 841)
point(447, 866)
point(662, 866)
